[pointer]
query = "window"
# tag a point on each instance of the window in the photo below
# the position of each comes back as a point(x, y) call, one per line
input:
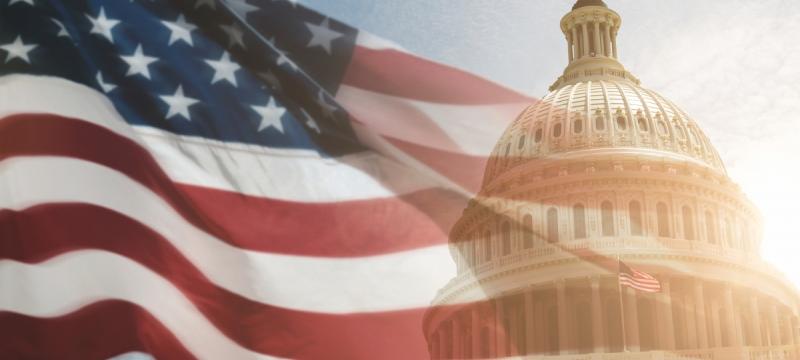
point(577, 126)
point(506, 234)
point(662, 127)
point(607, 217)
point(521, 142)
point(579, 221)
point(527, 231)
point(681, 132)
point(635, 214)
point(729, 233)
point(557, 130)
point(711, 234)
point(663, 219)
point(537, 138)
point(487, 246)
point(599, 121)
point(622, 123)
point(508, 149)
point(642, 123)
point(552, 225)
point(688, 223)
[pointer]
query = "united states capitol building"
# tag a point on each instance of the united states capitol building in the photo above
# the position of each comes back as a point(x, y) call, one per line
point(601, 170)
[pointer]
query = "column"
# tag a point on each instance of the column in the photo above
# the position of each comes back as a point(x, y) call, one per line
point(717, 329)
point(512, 332)
point(787, 328)
point(569, 47)
point(476, 330)
point(530, 333)
point(755, 326)
point(668, 336)
point(614, 43)
point(700, 314)
point(540, 325)
point(607, 33)
point(561, 301)
point(456, 338)
point(575, 45)
point(689, 315)
point(730, 330)
point(775, 333)
point(500, 330)
point(598, 46)
point(442, 343)
point(632, 320)
point(585, 39)
point(597, 320)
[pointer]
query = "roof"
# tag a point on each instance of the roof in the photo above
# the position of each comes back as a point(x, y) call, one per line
point(582, 3)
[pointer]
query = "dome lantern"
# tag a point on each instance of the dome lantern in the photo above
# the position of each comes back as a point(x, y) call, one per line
point(591, 34)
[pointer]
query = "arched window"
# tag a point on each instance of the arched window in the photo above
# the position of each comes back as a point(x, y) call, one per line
point(680, 131)
point(537, 138)
point(577, 125)
point(635, 213)
point(487, 246)
point(521, 143)
point(552, 225)
point(711, 234)
point(508, 149)
point(688, 223)
point(527, 231)
point(663, 219)
point(506, 234)
point(557, 130)
point(599, 121)
point(607, 217)
point(662, 127)
point(729, 233)
point(642, 123)
point(622, 123)
point(579, 221)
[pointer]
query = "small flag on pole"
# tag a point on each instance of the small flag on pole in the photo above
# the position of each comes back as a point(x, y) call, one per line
point(638, 280)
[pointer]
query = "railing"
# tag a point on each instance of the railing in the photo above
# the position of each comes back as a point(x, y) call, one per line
point(788, 352)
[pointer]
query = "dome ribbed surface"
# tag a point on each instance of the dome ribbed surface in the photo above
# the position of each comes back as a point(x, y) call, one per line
point(603, 114)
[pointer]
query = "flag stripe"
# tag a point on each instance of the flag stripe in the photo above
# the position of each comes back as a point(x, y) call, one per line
point(334, 229)
point(393, 72)
point(98, 331)
point(61, 281)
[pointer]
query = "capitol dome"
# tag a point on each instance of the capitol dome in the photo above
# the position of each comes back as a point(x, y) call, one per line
point(599, 172)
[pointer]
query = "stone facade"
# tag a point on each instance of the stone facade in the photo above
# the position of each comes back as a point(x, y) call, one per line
point(602, 170)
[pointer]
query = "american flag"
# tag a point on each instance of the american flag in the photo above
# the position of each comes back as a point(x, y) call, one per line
point(226, 180)
point(638, 280)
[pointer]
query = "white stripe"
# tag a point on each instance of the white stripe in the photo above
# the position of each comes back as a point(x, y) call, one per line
point(371, 41)
point(474, 128)
point(73, 280)
point(400, 280)
point(292, 175)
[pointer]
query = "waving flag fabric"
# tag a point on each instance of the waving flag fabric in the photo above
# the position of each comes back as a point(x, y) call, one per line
point(226, 180)
point(638, 280)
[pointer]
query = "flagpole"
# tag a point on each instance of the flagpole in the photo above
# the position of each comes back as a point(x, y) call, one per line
point(621, 307)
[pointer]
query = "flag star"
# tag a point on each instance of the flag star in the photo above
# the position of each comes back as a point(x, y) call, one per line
point(235, 34)
point(271, 79)
point(18, 50)
point(292, 2)
point(209, 3)
point(310, 121)
point(102, 25)
point(138, 63)
point(178, 104)
point(179, 30)
point(322, 35)
point(270, 115)
point(62, 30)
point(224, 69)
point(327, 108)
point(241, 7)
point(282, 55)
point(107, 87)
point(12, 2)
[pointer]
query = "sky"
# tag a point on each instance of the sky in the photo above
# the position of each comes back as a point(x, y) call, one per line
point(732, 65)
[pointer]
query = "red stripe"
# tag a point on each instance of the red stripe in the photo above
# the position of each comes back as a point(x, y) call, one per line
point(465, 170)
point(98, 331)
point(401, 74)
point(41, 232)
point(343, 229)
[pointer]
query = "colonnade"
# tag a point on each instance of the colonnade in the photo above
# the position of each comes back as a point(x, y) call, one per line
point(596, 37)
point(583, 316)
